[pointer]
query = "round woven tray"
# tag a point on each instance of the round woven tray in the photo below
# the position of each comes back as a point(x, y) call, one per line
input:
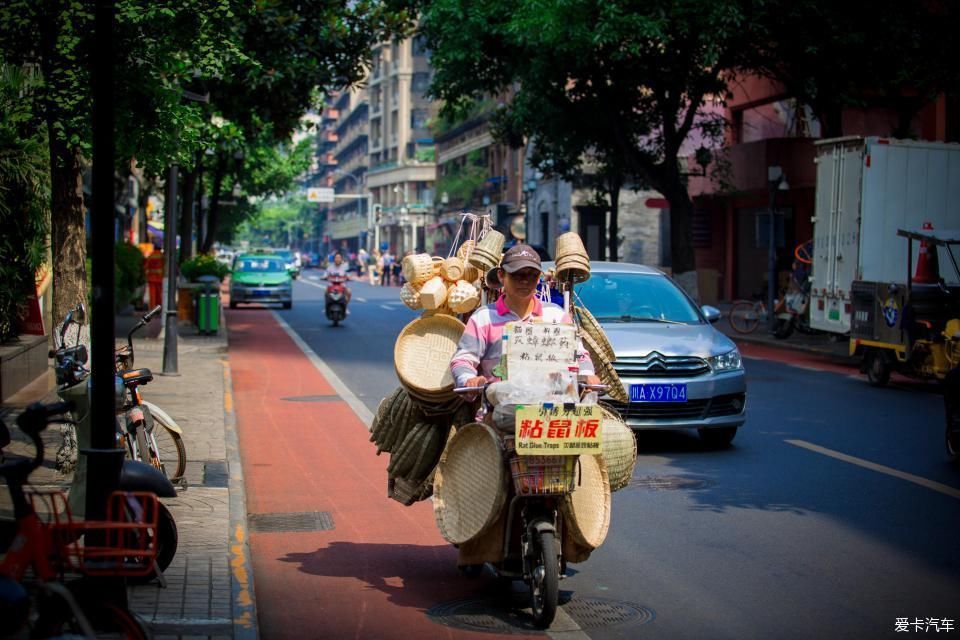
point(422, 354)
point(587, 510)
point(470, 484)
point(619, 450)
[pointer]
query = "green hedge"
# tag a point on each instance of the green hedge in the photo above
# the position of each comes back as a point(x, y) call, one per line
point(203, 265)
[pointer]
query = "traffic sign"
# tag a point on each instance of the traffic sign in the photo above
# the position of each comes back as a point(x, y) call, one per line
point(320, 194)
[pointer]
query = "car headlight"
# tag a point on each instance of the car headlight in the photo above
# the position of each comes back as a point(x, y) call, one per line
point(729, 361)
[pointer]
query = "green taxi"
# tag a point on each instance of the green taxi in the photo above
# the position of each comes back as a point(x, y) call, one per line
point(260, 278)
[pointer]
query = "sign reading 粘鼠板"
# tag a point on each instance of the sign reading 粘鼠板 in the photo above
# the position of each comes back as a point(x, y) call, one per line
point(558, 429)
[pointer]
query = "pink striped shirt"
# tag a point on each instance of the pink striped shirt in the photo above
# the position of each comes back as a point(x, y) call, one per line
point(480, 348)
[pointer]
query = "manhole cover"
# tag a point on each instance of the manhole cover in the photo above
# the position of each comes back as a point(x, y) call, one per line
point(290, 522)
point(215, 474)
point(594, 613)
point(311, 398)
point(487, 615)
point(665, 483)
point(495, 615)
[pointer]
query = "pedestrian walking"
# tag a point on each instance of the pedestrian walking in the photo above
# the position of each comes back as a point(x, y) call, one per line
point(153, 268)
point(376, 267)
point(387, 273)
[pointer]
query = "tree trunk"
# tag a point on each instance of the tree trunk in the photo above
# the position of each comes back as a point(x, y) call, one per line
point(614, 184)
point(186, 214)
point(213, 214)
point(684, 264)
point(67, 230)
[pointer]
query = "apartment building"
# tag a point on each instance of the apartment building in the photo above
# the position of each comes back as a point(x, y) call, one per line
point(402, 168)
point(342, 149)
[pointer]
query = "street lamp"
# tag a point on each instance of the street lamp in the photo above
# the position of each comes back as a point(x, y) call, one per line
point(776, 181)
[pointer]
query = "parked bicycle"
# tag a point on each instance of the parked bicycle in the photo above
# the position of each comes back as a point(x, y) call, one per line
point(49, 547)
point(746, 315)
point(151, 435)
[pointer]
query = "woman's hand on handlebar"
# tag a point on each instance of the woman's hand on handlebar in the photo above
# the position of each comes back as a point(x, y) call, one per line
point(476, 381)
point(592, 380)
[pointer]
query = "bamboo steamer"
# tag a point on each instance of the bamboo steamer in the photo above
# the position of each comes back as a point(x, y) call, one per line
point(452, 269)
point(470, 484)
point(417, 268)
point(619, 449)
point(410, 295)
point(487, 252)
point(433, 293)
point(586, 510)
point(572, 260)
point(422, 354)
point(569, 244)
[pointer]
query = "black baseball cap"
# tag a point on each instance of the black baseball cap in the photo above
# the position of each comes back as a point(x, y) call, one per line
point(520, 256)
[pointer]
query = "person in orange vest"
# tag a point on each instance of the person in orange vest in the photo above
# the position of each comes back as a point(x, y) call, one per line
point(153, 266)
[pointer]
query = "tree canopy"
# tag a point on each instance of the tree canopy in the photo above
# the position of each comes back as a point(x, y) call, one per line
point(624, 81)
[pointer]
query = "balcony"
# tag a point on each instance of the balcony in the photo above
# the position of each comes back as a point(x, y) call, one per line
point(331, 115)
point(328, 160)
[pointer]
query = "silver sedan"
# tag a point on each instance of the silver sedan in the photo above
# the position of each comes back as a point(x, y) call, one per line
point(679, 371)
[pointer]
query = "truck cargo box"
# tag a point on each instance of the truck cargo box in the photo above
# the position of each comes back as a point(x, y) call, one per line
point(867, 188)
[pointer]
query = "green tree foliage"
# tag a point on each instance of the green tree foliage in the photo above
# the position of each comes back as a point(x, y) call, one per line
point(24, 195)
point(462, 182)
point(276, 220)
point(620, 79)
point(833, 55)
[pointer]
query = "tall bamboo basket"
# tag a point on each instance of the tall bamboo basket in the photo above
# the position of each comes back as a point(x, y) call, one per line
point(586, 511)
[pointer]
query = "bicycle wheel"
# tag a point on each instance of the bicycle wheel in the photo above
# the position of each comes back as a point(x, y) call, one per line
point(169, 447)
point(744, 316)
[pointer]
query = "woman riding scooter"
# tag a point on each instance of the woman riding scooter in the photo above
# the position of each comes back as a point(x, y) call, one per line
point(477, 359)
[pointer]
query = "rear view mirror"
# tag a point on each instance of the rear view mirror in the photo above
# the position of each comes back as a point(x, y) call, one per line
point(712, 314)
point(80, 314)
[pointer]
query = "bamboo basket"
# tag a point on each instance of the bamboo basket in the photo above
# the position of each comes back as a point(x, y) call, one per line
point(586, 510)
point(619, 449)
point(422, 354)
point(417, 268)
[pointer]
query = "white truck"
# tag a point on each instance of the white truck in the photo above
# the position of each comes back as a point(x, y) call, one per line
point(867, 188)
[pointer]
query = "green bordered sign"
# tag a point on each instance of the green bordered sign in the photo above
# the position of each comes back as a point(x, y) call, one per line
point(558, 430)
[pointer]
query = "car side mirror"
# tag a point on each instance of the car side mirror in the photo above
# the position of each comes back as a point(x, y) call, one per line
point(712, 314)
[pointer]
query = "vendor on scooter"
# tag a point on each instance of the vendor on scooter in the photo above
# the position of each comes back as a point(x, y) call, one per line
point(478, 355)
point(339, 268)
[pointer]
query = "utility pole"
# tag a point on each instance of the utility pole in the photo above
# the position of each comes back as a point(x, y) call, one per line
point(170, 363)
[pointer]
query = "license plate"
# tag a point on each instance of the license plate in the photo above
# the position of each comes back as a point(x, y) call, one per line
point(261, 292)
point(673, 392)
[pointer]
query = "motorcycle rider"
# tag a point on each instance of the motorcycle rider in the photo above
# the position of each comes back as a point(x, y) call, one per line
point(477, 359)
point(339, 268)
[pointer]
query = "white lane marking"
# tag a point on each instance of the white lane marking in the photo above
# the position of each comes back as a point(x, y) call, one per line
point(873, 466)
point(387, 307)
point(342, 390)
point(314, 284)
point(359, 299)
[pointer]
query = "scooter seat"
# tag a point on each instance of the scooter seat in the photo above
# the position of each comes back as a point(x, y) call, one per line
point(137, 377)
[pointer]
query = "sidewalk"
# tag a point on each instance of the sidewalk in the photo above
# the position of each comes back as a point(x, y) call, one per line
point(831, 346)
point(209, 590)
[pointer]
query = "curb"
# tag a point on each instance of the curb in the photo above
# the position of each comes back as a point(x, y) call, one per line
point(243, 603)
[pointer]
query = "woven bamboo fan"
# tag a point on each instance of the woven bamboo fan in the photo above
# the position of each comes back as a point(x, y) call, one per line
point(469, 486)
point(587, 509)
point(619, 449)
point(592, 327)
point(422, 354)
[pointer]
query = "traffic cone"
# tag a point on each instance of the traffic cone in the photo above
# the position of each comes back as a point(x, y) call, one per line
point(927, 268)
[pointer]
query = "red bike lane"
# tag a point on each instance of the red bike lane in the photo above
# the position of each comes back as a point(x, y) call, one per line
point(381, 565)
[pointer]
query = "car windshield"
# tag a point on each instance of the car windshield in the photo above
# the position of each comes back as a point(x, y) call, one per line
point(259, 265)
point(636, 297)
point(284, 255)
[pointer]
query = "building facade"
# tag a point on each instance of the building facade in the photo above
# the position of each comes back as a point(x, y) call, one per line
point(401, 155)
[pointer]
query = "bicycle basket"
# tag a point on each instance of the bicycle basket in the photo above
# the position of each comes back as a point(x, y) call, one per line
point(122, 545)
point(541, 475)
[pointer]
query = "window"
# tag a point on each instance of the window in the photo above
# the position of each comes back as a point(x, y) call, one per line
point(420, 82)
point(419, 118)
point(420, 46)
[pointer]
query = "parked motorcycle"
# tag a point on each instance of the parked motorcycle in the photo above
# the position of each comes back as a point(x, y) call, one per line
point(336, 299)
point(73, 385)
point(791, 313)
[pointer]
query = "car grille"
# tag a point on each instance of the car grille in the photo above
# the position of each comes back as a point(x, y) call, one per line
point(727, 405)
point(657, 365)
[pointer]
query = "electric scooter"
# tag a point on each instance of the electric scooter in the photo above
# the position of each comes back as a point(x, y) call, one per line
point(336, 299)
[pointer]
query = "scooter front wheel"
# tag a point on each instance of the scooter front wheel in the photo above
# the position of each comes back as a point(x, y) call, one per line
point(545, 582)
